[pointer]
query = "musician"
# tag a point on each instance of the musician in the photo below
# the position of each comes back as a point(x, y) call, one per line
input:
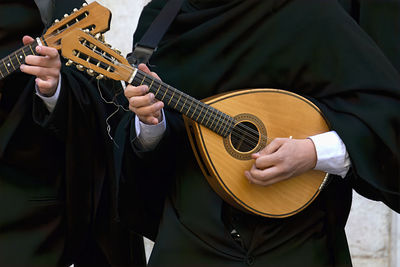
point(56, 186)
point(309, 47)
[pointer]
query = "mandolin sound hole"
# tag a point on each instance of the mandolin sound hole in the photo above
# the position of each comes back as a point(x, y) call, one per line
point(245, 136)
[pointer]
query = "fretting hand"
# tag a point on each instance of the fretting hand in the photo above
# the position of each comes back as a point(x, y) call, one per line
point(46, 67)
point(143, 103)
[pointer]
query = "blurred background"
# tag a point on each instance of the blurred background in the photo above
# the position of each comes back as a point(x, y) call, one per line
point(373, 230)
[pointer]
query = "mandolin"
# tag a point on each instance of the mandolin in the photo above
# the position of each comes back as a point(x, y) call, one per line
point(94, 18)
point(224, 130)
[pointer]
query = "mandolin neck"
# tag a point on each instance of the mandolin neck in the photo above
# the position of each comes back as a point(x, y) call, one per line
point(13, 61)
point(196, 110)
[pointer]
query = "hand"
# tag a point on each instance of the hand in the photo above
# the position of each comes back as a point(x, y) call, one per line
point(143, 103)
point(45, 67)
point(281, 159)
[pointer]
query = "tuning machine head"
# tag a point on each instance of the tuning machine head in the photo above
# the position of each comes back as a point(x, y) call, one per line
point(80, 67)
point(69, 63)
point(90, 72)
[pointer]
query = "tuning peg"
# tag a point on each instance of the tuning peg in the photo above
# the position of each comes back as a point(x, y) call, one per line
point(80, 67)
point(86, 30)
point(102, 38)
point(57, 21)
point(69, 63)
point(100, 76)
point(66, 15)
point(75, 10)
point(98, 36)
point(84, 4)
point(90, 72)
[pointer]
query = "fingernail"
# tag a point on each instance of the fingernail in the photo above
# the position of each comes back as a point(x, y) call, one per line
point(22, 67)
point(38, 48)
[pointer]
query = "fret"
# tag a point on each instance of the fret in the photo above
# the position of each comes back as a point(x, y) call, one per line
point(173, 93)
point(212, 121)
point(2, 75)
point(158, 90)
point(189, 108)
point(31, 49)
point(220, 122)
point(152, 81)
point(204, 116)
point(144, 76)
point(202, 107)
point(195, 109)
point(166, 90)
point(231, 125)
point(11, 62)
point(180, 95)
point(5, 67)
point(183, 104)
point(208, 117)
point(19, 62)
point(225, 128)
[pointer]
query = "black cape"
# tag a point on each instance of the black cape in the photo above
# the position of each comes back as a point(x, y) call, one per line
point(56, 170)
point(312, 48)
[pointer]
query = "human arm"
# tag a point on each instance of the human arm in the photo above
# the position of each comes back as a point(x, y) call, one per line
point(285, 157)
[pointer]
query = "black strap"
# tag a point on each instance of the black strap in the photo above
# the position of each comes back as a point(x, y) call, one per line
point(144, 49)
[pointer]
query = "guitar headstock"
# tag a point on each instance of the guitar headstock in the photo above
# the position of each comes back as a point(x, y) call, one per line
point(88, 51)
point(94, 17)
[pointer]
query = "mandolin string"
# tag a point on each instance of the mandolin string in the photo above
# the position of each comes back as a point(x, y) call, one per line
point(247, 130)
point(241, 129)
point(244, 130)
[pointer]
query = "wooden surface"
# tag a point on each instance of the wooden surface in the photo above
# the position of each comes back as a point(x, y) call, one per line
point(284, 114)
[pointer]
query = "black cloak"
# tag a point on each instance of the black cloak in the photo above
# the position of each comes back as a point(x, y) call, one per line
point(57, 181)
point(310, 47)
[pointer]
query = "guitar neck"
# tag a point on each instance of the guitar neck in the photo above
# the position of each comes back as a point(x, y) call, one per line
point(13, 61)
point(196, 110)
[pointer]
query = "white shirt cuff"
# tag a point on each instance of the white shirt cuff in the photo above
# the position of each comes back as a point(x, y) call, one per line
point(150, 135)
point(332, 156)
point(51, 101)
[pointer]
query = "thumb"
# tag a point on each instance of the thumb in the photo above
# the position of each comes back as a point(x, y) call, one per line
point(27, 39)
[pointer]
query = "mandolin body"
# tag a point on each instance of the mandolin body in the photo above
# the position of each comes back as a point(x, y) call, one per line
point(271, 113)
